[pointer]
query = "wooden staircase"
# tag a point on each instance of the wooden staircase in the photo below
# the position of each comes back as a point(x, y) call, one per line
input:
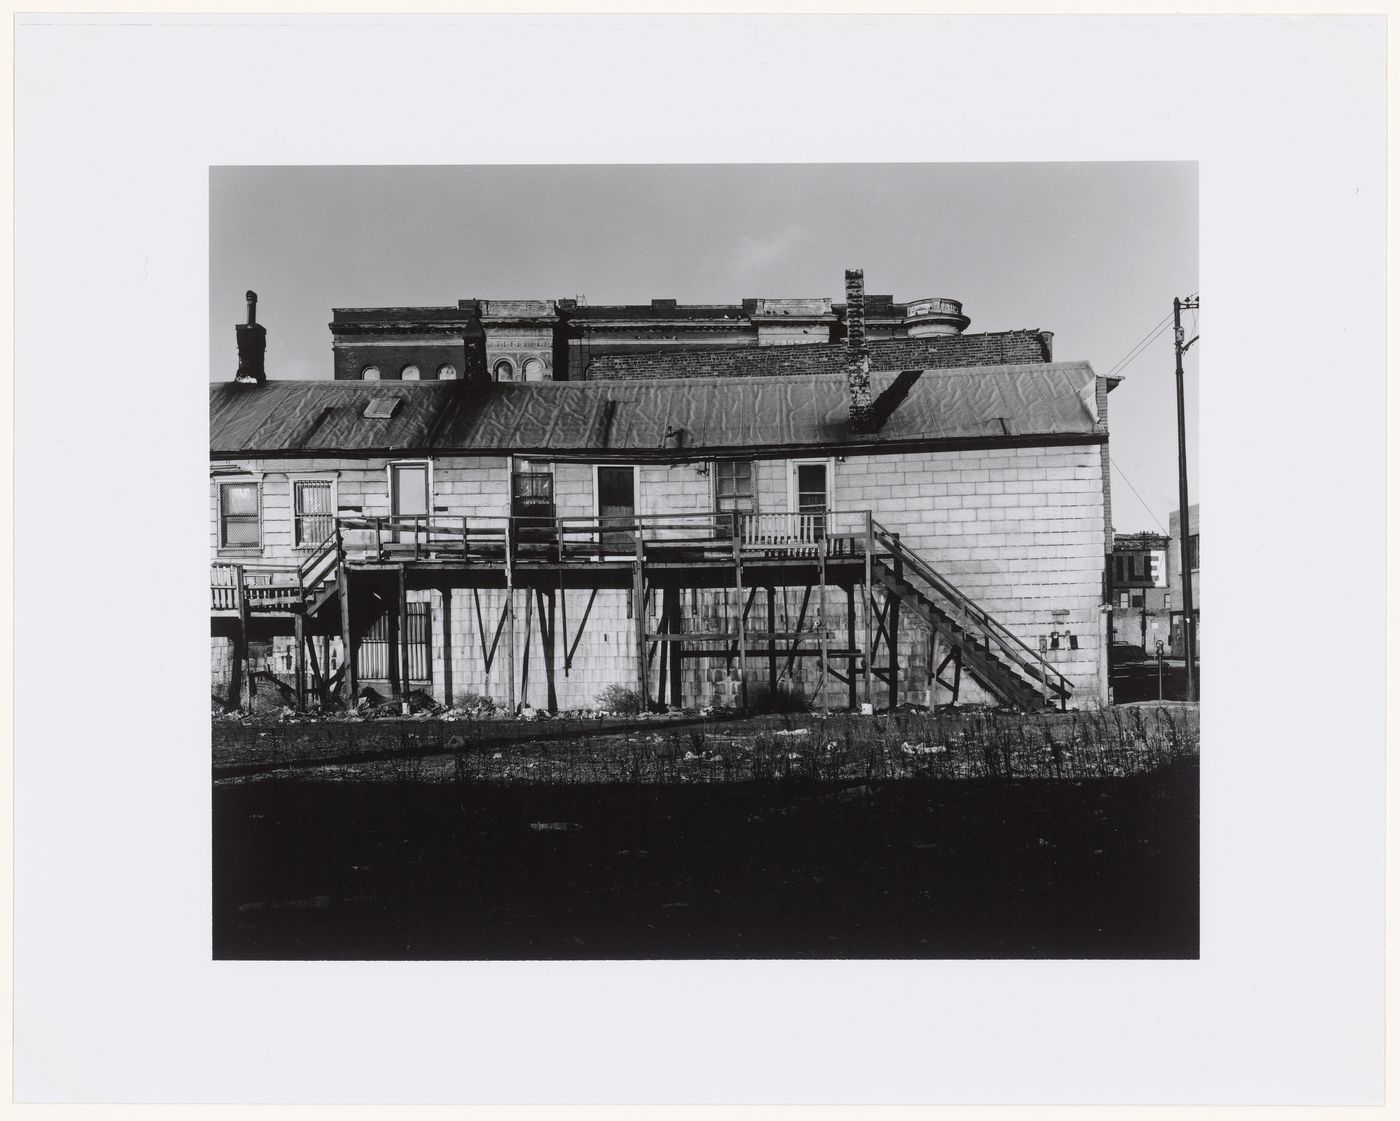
point(991, 655)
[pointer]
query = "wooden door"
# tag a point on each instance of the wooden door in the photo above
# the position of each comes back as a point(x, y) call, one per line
point(617, 509)
point(408, 498)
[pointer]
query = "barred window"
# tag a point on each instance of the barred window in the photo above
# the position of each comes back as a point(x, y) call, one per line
point(312, 511)
point(239, 523)
point(734, 486)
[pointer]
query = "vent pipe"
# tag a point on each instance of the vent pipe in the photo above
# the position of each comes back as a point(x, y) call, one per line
point(252, 345)
point(857, 354)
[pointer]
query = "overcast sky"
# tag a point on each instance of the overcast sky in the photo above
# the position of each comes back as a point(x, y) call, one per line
point(1093, 252)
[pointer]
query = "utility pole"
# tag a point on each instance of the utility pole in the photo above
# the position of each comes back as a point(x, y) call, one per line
point(1188, 629)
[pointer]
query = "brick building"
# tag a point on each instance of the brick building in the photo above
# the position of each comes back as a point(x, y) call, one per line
point(1139, 594)
point(856, 503)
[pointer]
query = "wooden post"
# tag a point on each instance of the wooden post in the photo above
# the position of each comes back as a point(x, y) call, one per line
point(639, 608)
point(510, 613)
point(932, 689)
point(893, 635)
point(664, 650)
point(547, 643)
point(851, 646)
point(342, 576)
point(739, 603)
point(405, 682)
point(325, 671)
point(866, 603)
point(677, 679)
point(299, 622)
point(957, 671)
point(821, 620)
point(242, 671)
point(772, 649)
point(525, 652)
point(447, 644)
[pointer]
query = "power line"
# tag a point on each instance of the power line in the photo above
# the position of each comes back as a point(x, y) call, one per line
point(1132, 488)
point(1127, 359)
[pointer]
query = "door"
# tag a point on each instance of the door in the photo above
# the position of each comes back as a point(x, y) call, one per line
point(532, 501)
point(617, 507)
point(408, 498)
point(812, 496)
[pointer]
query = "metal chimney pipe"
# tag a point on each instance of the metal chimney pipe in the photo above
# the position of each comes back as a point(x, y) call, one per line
point(252, 298)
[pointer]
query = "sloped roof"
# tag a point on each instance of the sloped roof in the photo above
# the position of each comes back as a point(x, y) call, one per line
point(1048, 402)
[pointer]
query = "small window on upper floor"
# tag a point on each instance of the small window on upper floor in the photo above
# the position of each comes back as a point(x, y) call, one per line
point(504, 370)
point(447, 372)
point(370, 373)
point(410, 373)
point(240, 520)
point(533, 370)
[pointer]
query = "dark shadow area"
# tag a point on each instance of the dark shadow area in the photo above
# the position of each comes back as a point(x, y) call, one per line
point(893, 396)
point(919, 868)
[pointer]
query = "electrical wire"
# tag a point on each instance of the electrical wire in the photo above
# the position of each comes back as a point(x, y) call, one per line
point(1132, 488)
point(1138, 347)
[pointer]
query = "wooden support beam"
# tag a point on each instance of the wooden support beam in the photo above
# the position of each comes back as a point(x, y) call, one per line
point(510, 649)
point(572, 647)
point(822, 546)
point(299, 626)
point(851, 644)
point(801, 618)
point(743, 614)
point(347, 634)
point(639, 607)
point(318, 682)
point(865, 600)
point(525, 655)
point(892, 600)
point(677, 629)
point(772, 649)
point(447, 683)
point(957, 671)
point(546, 606)
point(662, 678)
point(405, 684)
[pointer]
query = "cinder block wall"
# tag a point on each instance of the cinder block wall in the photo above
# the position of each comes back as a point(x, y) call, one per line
point(1019, 530)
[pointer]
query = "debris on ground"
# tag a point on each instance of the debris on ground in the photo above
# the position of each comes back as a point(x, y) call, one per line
point(554, 826)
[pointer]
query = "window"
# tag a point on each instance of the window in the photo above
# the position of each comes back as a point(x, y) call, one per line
point(1119, 574)
point(1122, 601)
point(447, 372)
point(1193, 551)
point(410, 373)
point(1167, 601)
point(240, 526)
point(313, 512)
point(504, 370)
point(370, 373)
point(531, 489)
point(1137, 600)
point(733, 486)
point(533, 370)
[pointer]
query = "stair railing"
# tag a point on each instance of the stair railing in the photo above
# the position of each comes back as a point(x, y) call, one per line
point(1029, 660)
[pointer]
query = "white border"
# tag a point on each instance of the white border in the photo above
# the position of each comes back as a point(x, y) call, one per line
point(118, 122)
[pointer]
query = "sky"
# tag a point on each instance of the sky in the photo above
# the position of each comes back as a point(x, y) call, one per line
point(1094, 252)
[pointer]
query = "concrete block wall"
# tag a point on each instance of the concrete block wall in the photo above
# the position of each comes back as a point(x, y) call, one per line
point(1019, 530)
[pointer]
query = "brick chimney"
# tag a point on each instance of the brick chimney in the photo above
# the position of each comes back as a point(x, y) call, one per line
point(252, 346)
point(857, 354)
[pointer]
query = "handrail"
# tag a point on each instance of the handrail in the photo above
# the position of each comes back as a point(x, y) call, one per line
point(996, 629)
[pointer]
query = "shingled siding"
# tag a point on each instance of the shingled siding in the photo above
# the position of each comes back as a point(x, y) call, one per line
point(1019, 530)
point(939, 352)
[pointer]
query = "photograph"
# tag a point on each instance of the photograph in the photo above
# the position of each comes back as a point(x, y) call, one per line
point(703, 561)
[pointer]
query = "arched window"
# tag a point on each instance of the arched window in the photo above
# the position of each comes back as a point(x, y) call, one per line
point(370, 373)
point(447, 372)
point(409, 373)
point(504, 370)
point(534, 369)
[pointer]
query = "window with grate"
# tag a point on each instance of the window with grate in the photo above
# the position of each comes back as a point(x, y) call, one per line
point(312, 511)
point(239, 524)
point(734, 490)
